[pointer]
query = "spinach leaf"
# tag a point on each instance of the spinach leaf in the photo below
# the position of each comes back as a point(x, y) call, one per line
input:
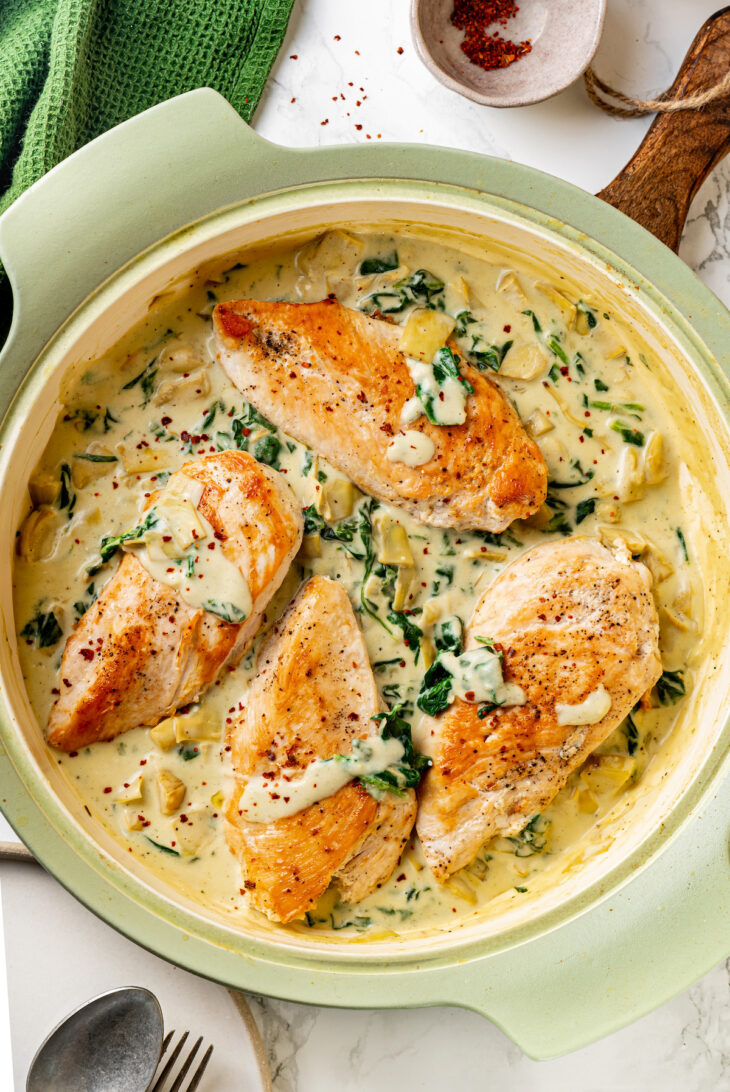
point(449, 635)
point(111, 543)
point(628, 435)
point(165, 849)
point(682, 542)
point(435, 693)
point(343, 531)
point(395, 726)
point(491, 357)
point(267, 450)
point(92, 458)
point(589, 313)
point(146, 380)
point(379, 265)
point(535, 321)
point(584, 508)
point(632, 735)
point(600, 385)
point(43, 629)
point(67, 495)
point(411, 632)
point(229, 612)
point(532, 838)
point(670, 687)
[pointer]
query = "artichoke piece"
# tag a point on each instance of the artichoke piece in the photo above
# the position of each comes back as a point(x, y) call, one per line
point(144, 460)
point(405, 583)
point(131, 819)
point(527, 362)
point(607, 773)
point(195, 385)
point(568, 310)
point(44, 489)
point(38, 534)
point(336, 499)
point(335, 251)
point(132, 791)
point(511, 287)
point(587, 803)
point(195, 832)
point(393, 545)
point(170, 791)
point(538, 424)
point(630, 486)
point(428, 652)
point(95, 462)
point(163, 734)
point(182, 518)
point(180, 359)
point(654, 469)
point(425, 333)
point(311, 546)
point(197, 725)
point(457, 296)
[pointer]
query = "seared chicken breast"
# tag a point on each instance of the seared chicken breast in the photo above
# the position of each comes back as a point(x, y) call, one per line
point(336, 380)
point(314, 694)
point(570, 618)
point(141, 651)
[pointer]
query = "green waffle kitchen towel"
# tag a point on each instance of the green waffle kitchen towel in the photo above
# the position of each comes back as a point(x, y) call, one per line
point(70, 69)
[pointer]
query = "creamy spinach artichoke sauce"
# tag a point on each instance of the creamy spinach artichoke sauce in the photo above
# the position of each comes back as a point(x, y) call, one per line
point(599, 405)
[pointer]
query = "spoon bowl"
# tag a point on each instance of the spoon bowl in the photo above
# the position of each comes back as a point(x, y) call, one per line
point(110, 1044)
point(564, 35)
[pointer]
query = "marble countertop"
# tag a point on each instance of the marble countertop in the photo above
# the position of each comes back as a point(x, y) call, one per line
point(349, 73)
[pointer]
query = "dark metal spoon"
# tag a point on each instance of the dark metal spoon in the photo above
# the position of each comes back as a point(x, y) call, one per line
point(111, 1044)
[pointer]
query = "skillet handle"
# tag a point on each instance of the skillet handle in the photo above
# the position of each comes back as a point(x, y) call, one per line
point(657, 185)
point(113, 198)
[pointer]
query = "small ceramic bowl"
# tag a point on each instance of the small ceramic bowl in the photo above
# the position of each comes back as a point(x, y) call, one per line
point(564, 35)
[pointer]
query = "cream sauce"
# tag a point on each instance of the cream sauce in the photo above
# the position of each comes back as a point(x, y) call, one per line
point(477, 677)
point(444, 402)
point(265, 799)
point(158, 400)
point(180, 550)
point(412, 448)
point(589, 711)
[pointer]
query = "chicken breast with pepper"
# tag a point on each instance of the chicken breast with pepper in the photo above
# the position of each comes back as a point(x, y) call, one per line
point(314, 697)
point(336, 380)
point(578, 632)
point(146, 647)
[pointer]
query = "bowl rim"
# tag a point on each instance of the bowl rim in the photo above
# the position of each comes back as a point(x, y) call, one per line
point(262, 954)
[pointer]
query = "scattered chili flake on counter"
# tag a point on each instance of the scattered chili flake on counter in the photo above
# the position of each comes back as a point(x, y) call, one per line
point(488, 51)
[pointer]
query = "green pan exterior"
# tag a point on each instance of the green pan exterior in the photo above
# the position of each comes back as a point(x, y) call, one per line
point(654, 924)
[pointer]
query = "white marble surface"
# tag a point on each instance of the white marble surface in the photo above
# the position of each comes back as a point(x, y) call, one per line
point(685, 1045)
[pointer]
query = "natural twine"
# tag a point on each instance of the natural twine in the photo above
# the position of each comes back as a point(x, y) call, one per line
point(636, 108)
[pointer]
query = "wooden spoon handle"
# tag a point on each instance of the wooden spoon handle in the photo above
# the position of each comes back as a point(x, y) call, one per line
point(657, 185)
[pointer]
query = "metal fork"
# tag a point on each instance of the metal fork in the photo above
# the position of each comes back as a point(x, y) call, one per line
point(178, 1084)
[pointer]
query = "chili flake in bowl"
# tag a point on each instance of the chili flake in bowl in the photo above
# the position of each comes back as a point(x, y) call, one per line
point(472, 46)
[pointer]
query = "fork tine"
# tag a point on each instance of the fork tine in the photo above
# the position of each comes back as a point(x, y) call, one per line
point(157, 1086)
point(178, 1082)
point(198, 1074)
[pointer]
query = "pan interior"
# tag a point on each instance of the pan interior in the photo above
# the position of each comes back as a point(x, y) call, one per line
point(623, 840)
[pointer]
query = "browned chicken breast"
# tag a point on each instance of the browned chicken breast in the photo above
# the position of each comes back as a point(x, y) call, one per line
point(314, 695)
point(572, 621)
point(336, 380)
point(141, 651)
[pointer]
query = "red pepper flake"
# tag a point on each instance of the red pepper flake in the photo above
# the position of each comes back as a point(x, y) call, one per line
point(358, 127)
point(87, 653)
point(108, 788)
point(399, 49)
point(325, 122)
point(294, 99)
point(487, 51)
point(337, 38)
point(293, 56)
